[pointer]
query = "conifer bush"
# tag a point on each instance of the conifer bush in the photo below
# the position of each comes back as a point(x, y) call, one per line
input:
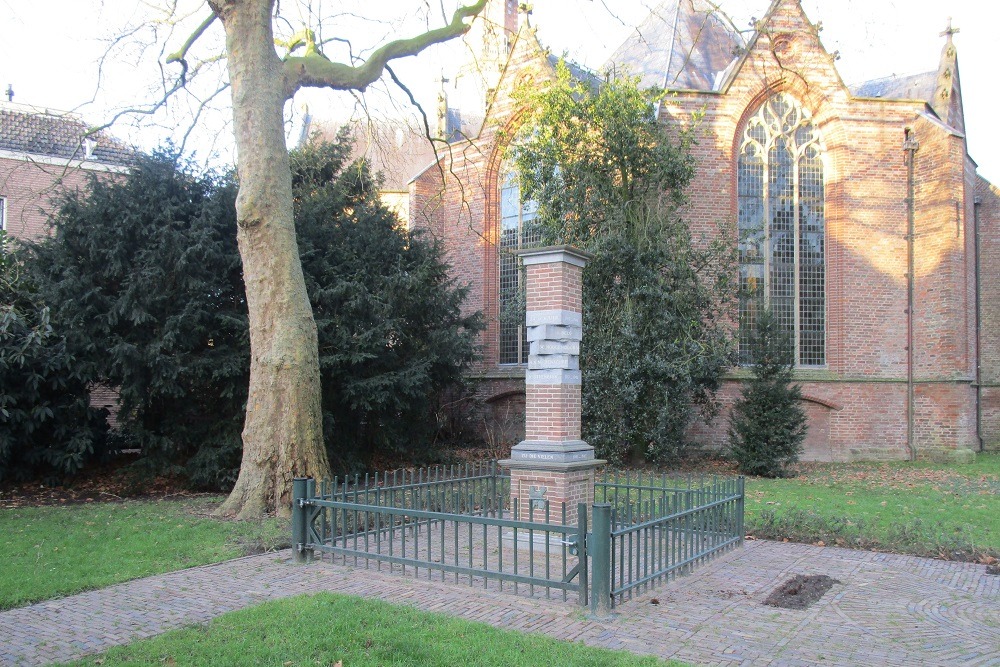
point(47, 427)
point(768, 425)
point(144, 275)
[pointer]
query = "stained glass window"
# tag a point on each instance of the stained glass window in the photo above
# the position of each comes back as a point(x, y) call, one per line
point(516, 232)
point(782, 227)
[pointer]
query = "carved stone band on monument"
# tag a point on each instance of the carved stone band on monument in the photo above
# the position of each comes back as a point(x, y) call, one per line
point(554, 346)
point(544, 451)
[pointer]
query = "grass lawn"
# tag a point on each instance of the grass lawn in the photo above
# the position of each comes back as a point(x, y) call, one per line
point(60, 550)
point(939, 510)
point(328, 630)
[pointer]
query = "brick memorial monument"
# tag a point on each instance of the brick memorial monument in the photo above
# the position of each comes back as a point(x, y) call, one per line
point(553, 463)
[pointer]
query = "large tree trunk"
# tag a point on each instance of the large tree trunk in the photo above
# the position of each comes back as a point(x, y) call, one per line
point(282, 435)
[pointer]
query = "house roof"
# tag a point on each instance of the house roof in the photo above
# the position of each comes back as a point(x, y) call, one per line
point(682, 45)
point(25, 129)
point(910, 87)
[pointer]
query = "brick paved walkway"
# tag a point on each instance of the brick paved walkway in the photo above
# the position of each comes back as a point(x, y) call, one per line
point(888, 610)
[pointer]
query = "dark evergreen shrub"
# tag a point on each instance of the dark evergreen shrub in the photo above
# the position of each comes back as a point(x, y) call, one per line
point(47, 427)
point(145, 274)
point(392, 334)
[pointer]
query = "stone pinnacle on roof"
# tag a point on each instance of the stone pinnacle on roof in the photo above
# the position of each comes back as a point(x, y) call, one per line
point(947, 99)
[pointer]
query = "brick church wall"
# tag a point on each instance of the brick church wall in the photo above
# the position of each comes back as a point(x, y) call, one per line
point(857, 403)
point(988, 197)
point(461, 210)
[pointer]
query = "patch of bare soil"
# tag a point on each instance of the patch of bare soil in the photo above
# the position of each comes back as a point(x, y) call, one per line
point(801, 591)
point(107, 482)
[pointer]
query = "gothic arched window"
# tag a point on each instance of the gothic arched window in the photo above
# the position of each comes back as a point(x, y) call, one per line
point(781, 225)
point(516, 232)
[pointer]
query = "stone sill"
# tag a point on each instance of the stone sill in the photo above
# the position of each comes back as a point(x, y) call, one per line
point(500, 373)
point(822, 375)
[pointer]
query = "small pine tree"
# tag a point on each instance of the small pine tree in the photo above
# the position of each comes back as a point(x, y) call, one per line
point(768, 425)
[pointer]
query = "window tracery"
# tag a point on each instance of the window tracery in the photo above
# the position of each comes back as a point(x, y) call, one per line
point(781, 213)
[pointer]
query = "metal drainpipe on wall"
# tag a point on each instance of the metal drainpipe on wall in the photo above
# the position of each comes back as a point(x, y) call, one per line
point(976, 203)
point(910, 147)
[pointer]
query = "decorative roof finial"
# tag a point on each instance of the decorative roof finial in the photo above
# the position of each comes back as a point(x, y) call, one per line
point(442, 109)
point(949, 31)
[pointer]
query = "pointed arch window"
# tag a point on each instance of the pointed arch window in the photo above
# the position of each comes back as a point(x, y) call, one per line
point(782, 227)
point(516, 232)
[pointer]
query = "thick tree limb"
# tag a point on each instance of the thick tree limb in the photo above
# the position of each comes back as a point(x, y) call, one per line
point(314, 70)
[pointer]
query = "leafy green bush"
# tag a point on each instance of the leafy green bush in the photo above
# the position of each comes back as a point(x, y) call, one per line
point(608, 178)
point(768, 425)
point(47, 427)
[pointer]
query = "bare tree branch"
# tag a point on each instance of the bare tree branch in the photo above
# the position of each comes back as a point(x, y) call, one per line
point(180, 54)
point(314, 70)
point(197, 115)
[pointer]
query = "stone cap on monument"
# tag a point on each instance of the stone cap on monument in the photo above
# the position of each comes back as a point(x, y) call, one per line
point(554, 253)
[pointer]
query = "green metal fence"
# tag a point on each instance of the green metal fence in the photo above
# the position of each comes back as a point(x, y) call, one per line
point(662, 526)
point(450, 523)
point(460, 524)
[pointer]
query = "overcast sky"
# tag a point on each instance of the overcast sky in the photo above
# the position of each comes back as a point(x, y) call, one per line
point(51, 53)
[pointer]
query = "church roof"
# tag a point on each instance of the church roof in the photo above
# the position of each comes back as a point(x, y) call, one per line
point(396, 150)
point(682, 45)
point(911, 87)
point(25, 129)
point(577, 71)
point(941, 89)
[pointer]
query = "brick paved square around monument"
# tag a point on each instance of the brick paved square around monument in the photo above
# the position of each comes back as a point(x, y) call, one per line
point(887, 610)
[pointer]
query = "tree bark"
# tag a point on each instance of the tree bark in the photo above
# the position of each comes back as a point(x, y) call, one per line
point(282, 434)
point(283, 431)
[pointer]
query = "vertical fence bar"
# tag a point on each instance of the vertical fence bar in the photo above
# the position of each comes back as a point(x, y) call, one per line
point(581, 538)
point(600, 550)
point(486, 550)
point(500, 553)
point(548, 555)
point(430, 529)
point(322, 515)
point(517, 517)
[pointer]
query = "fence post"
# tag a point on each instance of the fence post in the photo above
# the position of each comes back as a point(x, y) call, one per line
point(581, 541)
point(600, 550)
point(299, 520)
point(740, 509)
